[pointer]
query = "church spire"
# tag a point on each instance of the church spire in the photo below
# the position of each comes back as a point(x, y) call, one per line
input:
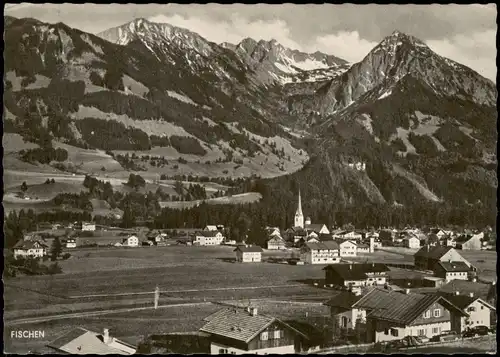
point(299, 217)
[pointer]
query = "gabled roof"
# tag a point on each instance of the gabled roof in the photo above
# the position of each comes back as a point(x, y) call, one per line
point(463, 301)
point(357, 271)
point(436, 252)
point(399, 307)
point(29, 244)
point(328, 245)
point(325, 237)
point(454, 266)
point(275, 238)
point(83, 341)
point(238, 324)
point(315, 227)
point(465, 287)
point(251, 249)
point(211, 227)
point(207, 233)
point(342, 298)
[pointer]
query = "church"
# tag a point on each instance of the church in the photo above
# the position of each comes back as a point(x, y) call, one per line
point(304, 229)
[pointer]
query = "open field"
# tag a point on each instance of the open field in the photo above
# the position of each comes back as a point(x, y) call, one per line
point(242, 198)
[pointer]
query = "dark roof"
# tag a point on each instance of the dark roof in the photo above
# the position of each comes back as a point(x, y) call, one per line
point(399, 307)
point(325, 237)
point(238, 324)
point(454, 266)
point(328, 245)
point(28, 244)
point(357, 271)
point(432, 252)
point(465, 287)
point(461, 301)
point(207, 233)
point(275, 238)
point(343, 299)
point(251, 249)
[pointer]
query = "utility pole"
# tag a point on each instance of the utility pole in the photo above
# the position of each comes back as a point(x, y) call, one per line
point(157, 296)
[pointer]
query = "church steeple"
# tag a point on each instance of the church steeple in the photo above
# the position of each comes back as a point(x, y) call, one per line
point(299, 216)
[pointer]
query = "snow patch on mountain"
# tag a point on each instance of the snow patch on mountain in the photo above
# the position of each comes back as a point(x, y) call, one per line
point(181, 97)
point(385, 94)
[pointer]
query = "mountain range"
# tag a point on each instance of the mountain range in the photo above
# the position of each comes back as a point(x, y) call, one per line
point(403, 125)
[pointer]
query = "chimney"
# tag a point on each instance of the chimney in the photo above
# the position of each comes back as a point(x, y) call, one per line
point(471, 294)
point(407, 291)
point(457, 293)
point(253, 311)
point(105, 336)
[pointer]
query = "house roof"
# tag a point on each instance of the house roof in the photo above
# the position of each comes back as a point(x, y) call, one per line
point(211, 227)
point(251, 249)
point(463, 301)
point(238, 324)
point(357, 271)
point(275, 239)
point(325, 237)
point(436, 252)
point(328, 245)
point(83, 341)
point(454, 266)
point(346, 241)
point(343, 299)
point(29, 244)
point(314, 227)
point(399, 307)
point(465, 287)
point(363, 245)
point(207, 233)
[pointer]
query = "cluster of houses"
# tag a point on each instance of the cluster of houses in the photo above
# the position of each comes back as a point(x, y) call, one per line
point(365, 307)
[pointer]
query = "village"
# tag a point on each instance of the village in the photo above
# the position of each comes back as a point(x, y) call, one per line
point(433, 296)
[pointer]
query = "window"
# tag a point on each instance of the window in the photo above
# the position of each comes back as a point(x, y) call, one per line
point(482, 307)
point(386, 331)
point(394, 332)
point(277, 334)
point(427, 314)
point(344, 321)
point(263, 336)
point(471, 309)
point(435, 330)
point(437, 313)
point(421, 332)
point(222, 351)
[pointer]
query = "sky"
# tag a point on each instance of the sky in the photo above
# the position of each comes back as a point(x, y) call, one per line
point(464, 33)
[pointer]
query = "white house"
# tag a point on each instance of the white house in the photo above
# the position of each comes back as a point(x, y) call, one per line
point(208, 238)
point(71, 243)
point(248, 254)
point(88, 226)
point(352, 235)
point(320, 253)
point(131, 241)
point(237, 331)
point(80, 341)
point(412, 242)
point(34, 249)
point(318, 228)
point(362, 248)
point(273, 231)
point(348, 248)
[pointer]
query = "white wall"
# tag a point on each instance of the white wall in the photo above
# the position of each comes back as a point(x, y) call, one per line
point(215, 350)
point(479, 317)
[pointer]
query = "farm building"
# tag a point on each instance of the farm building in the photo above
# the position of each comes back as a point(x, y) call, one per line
point(393, 315)
point(428, 257)
point(295, 234)
point(132, 241)
point(208, 238)
point(245, 331)
point(466, 242)
point(87, 226)
point(348, 248)
point(318, 228)
point(412, 242)
point(71, 243)
point(320, 253)
point(452, 270)
point(479, 311)
point(157, 238)
point(248, 254)
point(362, 248)
point(82, 341)
point(356, 275)
point(345, 317)
point(275, 242)
point(273, 231)
point(29, 248)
